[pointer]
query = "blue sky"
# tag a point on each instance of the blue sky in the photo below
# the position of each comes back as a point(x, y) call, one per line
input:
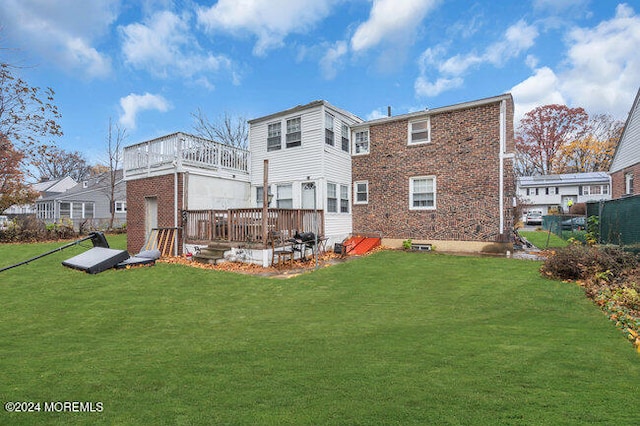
point(148, 65)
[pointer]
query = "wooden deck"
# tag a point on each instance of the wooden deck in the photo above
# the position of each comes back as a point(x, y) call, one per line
point(245, 225)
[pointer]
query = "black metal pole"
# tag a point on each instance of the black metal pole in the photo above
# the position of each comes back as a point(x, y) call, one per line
point(90, 237)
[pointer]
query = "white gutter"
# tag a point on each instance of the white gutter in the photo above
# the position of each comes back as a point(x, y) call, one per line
point(503, 128)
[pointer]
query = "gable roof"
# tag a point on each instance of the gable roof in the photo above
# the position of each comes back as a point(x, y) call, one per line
point(628, 149)
point(54, 185)
point(93, 184)
point(304, 107)
point(427, 112)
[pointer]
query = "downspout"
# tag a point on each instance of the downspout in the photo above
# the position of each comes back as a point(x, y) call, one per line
point(503, 129)
point(177, 164)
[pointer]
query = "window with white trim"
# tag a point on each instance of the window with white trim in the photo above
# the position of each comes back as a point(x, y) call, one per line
point(294, 132)
point(345, 137)
point(422, 193)
point(361, 192)
point(274, 136)
point(361, 143)
point(259, 196)
point(332, 198)
point(420, 131)
point(628, 183)
point(65, 210)
point(121, 206)
point(285, 196)
point(328, 129)
point(344, 199)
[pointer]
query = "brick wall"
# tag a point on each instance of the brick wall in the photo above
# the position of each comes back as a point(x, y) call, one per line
point(463, 155)
point(160, 187)
point(618, 184)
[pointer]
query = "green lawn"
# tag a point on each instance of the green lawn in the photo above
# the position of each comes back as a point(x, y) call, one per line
point(543, 240)
point(392, 338)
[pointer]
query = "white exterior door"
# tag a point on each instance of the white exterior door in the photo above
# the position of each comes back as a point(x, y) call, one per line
point(308, 195)
point(151, 214)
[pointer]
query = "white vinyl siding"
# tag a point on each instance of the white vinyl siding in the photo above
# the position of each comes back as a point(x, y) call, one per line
point(419, 131)
point(422, 193)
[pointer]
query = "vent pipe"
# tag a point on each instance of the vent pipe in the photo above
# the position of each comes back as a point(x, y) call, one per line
point(389, 111)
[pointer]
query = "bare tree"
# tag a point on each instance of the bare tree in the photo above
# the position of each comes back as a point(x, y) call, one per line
point(51, 162)
point(115, 140)
point(229, 130)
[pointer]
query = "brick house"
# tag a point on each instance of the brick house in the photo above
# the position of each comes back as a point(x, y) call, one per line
point(179, 172)
point(442, 176)
point(625, 166)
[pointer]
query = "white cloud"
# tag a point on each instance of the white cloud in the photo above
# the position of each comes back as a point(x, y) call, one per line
point(269, 20)
point(133, 104)
point(450, 71)
point(62, 32)
point(390, 20)
point(164, 46)
point(375, 114)
point(542, 88)
point(600, 71)
point(332, 58)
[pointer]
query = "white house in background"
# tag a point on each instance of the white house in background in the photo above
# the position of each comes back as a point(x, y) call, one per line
point(308, 148)
point(553, 191)
point(45, 188)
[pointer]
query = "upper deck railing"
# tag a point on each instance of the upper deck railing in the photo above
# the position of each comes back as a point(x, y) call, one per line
point(182, 149)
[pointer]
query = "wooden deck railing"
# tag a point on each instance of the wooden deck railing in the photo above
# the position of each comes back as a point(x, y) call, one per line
point(245, 225)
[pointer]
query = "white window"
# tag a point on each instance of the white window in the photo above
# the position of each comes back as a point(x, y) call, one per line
point(285, 196)
point(332, 198)
point(628, 183)
point(361, 192)
point(88, 210)
point(422, 193)
point(344, 199)
point(274, 133)
point(328, 129)
point(121, 206)
point(419, 131)
point(345, 137)
point(259, 196)
point(294, 132)
point(65, 210)
point(361, 145)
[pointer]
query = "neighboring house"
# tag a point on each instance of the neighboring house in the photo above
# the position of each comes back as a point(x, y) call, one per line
point(309, 160)
point(87, 204)
point(625, 166)
point(45, 188)
point(180, 172)
point(442, 176)
point(541, 193)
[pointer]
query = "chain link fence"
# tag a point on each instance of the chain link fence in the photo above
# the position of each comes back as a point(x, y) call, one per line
point(619, 222)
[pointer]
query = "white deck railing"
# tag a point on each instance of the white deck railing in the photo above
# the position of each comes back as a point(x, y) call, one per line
point(184, 150)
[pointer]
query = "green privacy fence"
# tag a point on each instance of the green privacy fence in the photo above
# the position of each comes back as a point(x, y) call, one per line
point(565, 226)
point(619, 221)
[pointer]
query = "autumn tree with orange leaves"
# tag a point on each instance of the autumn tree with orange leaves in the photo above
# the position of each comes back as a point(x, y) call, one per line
point(12, 187)
point(541, 135)
point(593, 152)
point(554, 139)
